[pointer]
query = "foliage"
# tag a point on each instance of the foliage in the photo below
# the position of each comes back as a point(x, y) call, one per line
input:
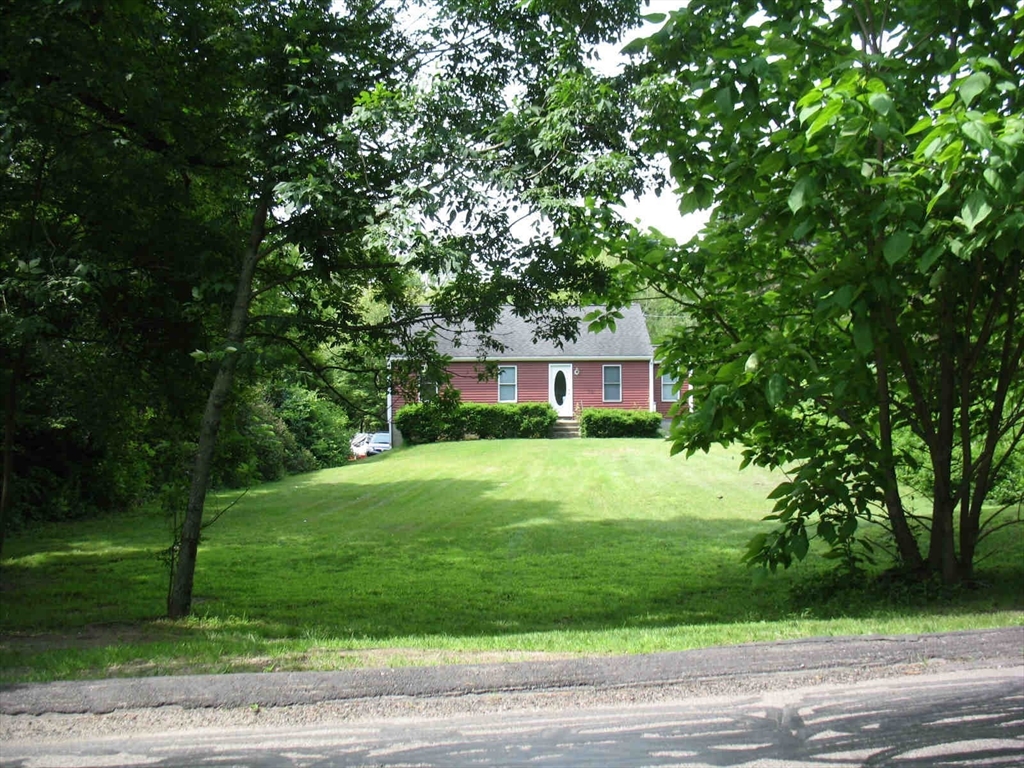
point(533, 420)
point(319, 425)
point(619, 422)
point(437, 419)
point(489, 421)
point(198, 190)
point(272, 431)
point(859, 281)
point(445, 417)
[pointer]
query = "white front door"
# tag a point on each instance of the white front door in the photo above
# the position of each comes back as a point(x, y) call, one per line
point(560, 389)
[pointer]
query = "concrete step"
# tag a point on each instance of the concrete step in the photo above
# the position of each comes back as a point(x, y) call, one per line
point(565, 428)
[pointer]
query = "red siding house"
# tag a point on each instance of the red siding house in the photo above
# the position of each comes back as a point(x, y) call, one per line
point(608, 369)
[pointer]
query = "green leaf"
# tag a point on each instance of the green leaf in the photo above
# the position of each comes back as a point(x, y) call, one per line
point(809, 111)
point(896, 246)
point(803, 190)
point(974, 85)
point(776, 389)
point(826, 118)
point(862, 335)
point(938, 195)
point(979, 133)
point(994, 179)
point(929, 257)
point(975, 210)
point(921, 125)
point(827, 531)
point(723, 100)
point(881, 103)
point(875, 86)
point(654, 256)
point(799, 544)
point(811, 97)
point(772, 164)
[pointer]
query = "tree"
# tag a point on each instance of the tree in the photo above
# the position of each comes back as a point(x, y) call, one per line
point(856, 299)
point(94, 324)
point(265, 172)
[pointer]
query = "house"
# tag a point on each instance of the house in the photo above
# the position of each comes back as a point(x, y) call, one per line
point(608, 369)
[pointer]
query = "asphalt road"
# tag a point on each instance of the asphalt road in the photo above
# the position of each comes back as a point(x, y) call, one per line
point(952, 699)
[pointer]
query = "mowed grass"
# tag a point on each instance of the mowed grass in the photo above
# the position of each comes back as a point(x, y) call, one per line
point(454, 552)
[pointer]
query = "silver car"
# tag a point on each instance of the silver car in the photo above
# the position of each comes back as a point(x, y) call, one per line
point(378, 443)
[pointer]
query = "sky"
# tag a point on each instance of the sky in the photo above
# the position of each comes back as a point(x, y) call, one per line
point(660, 212)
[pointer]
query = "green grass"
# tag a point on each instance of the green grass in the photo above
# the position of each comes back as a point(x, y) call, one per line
point(467, 551)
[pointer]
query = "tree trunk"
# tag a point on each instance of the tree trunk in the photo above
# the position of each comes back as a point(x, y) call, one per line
point(1009, 364)
point(942, 549)
point(10, 404)
point(906, 544)
point(179, 600)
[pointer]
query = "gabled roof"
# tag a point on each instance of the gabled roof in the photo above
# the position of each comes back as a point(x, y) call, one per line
point(629, 340)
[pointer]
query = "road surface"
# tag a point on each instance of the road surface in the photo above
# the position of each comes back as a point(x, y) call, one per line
point(921, 701)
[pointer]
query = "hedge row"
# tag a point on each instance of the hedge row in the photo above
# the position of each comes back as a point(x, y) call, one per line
point(615, 422)
point(445, 418)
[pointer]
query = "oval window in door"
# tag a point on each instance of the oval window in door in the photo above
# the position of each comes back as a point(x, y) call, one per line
point(560, 387)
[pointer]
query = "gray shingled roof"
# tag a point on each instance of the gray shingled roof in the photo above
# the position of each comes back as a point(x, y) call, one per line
point(629, 340)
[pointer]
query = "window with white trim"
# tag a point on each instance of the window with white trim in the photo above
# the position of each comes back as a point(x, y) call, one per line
point(428, 389)
point(669, 393)
point(612, 383)
point(507, 384)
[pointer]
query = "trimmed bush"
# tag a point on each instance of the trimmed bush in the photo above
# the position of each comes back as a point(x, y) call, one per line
point(445, 418)
point(432, 421)
point(489, 422)
point(617, 422)
point(534, 420)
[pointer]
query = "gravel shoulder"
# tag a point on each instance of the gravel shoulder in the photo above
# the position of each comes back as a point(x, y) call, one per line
point(68, 710)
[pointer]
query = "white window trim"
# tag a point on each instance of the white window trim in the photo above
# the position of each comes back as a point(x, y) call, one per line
point(515, 384)
point(671, 381)
point(604, 385)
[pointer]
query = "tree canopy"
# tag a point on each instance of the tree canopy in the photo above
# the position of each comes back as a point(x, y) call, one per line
point(198, 190)
point(855, 300)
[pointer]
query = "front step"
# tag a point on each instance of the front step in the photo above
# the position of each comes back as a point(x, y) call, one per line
point(565, 428)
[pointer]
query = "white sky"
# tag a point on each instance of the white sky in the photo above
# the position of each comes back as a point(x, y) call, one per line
point(660, 212)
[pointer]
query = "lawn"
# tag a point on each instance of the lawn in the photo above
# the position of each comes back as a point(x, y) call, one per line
point(454, 552)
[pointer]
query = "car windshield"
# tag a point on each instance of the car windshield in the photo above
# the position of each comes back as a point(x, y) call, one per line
point(381, 437)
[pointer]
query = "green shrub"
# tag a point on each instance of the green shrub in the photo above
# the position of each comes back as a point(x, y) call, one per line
point(269, 433)
point(445, 418)
point(534, 420)
point(320, 426)
point(616, 422)
point(489, 422)
point(432, 421)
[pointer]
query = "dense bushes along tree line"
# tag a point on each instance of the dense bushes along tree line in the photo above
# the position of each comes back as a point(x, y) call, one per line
point(447, 418)
point(76, 461)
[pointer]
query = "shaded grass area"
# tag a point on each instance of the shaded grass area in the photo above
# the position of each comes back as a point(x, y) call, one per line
point(451, 552)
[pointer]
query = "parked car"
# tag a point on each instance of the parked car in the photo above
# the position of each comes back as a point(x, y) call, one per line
point(360, 444)
point(378, 443)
